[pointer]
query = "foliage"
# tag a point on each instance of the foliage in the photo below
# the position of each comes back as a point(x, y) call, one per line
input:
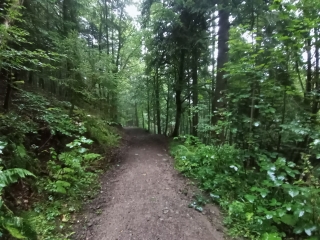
point(76, 54)
point(12, 58)
point(275, 202)
point(243, 75)
point(39, 128)
point(68, 182)
point(98, 130)
point(8, 221)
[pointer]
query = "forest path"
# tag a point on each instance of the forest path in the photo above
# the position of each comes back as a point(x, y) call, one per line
point(144, 198)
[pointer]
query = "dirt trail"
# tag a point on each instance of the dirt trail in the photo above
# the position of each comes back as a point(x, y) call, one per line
point(144, 198)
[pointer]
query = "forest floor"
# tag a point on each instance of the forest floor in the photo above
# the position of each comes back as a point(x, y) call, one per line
point(144, 198)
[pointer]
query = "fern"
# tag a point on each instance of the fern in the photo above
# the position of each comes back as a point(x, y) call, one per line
point(91, 156)
point(12, 175)
point(8, 221)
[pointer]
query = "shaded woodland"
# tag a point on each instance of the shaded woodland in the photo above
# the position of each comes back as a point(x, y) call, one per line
point(234, 83)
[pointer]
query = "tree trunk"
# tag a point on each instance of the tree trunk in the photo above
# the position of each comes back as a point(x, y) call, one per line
point(178, 90)
point(136, 114)
point(167, 111)
point(7, 99)
point(213, 85)
point(195, 97)
point(142, 115)
point(315, 104)
point(309, 75)
point(106, 26)
point(221, 82)
point(154, 118)
point(149, 114)
point(157, 95)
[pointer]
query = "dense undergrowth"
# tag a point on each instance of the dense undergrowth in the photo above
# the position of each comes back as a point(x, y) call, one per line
point(276, 199)
point(49, 164)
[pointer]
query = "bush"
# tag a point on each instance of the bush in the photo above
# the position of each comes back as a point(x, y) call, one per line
point(264, 202)
point(40, 137)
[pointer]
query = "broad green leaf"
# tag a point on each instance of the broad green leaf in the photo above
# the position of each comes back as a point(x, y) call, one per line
point(234, 167)
point(290, 220)
point(309, 231)
point(214, 195)
point(256, 124)
point(263, 194)
point(63, 183)
point(269, 216)
point(250, 198)
point(299, 212)
point(271, 236)
point(281, 213)
point(199, 209)
point(18, 82)
point(291, 164)
point(249, 216)
point(61, 189)
point(82, 150)
point(293, 192)
point(16, 233)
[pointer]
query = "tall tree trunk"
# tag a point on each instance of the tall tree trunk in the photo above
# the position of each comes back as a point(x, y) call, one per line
point(195, 97)
point(142, 115)
point(221, 82)
point(106, 13)
point(167, 111)
point(136, 114)
point(178, 90)
point(315, 104)
point(213, 62)
point(309, 75)
point(154, 118)
point(149, 114)
point(7, 99)
point(157, 95)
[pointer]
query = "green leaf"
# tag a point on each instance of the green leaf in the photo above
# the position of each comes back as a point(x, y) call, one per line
point(12, 175)
point(271, 236)
point(60, 189)
point(91, 156)
point(293, 192)
point(14, 232)
point(234, 167)
point(309, 230)
point(21, 151)
point(249, 216)
point(63, 183)
point(264, 193)
point(82, 150)
point(2, 146)
point(18, 82)
point(61, 186)
point(214, 195)
point(86, 140)
point(250, 198)
point(299, 212)
point(199, 209)
point(269, 216)
point(281, 212)
point(291, 164)
point(290, 220)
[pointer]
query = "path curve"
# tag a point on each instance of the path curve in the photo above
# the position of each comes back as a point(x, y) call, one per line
point(144, 198)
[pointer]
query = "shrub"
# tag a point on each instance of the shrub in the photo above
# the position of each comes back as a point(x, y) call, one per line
point(273, 200)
